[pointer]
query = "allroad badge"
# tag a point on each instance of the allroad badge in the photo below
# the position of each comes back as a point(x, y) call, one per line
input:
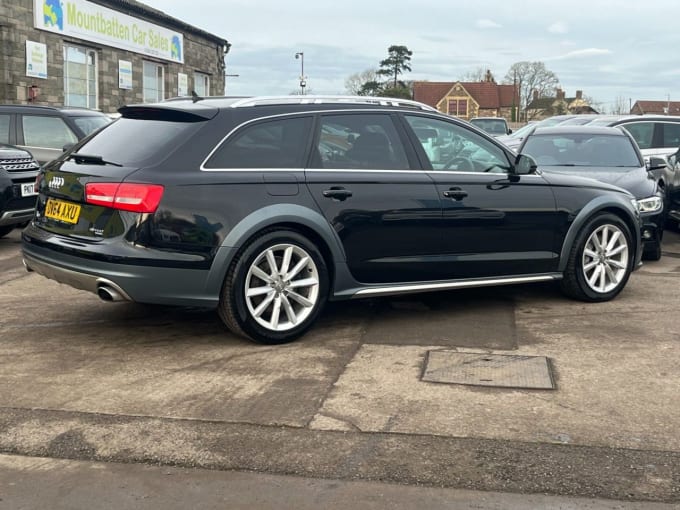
point(56, 182)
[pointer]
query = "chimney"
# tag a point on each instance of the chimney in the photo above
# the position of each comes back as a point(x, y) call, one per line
point(579, 94)
point(535, 95)
point(560, 94)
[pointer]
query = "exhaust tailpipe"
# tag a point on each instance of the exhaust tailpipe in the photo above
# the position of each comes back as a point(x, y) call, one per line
point(109, 294)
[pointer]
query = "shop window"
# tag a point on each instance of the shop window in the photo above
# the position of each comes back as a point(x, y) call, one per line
point(80, 77)
point(153, 82)
point(202, 84)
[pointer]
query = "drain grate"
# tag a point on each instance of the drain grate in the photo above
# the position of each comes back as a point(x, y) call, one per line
point(501, 370)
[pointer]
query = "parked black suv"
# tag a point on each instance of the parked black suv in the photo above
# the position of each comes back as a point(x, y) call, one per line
point(18, 170)
point(264, 208)
point(46, 130)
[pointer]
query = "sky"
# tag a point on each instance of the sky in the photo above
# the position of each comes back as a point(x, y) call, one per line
point(612, 50)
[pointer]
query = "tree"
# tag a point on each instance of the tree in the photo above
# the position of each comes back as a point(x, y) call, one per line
point(371, 88)
point(529, 77)
point(620, 106)
point(355, 82)
point(479, 74)
point(396, 63)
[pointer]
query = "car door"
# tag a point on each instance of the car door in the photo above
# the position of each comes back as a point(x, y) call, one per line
point(385, 212)
point(44, 136)
point(493, 223)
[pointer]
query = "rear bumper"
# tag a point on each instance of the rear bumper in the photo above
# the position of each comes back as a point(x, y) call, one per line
point(143, 284)
point(16, 217)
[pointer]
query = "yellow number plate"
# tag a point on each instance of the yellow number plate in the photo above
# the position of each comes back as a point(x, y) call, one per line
point(62, 211)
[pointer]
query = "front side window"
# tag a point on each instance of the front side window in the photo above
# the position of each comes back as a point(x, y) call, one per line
point(153, 82)
point(80, 77)
point(449, 146)
point(202, 84)
point(43, 131)
point(360, 141)
point(277, 143)
point(642, 132)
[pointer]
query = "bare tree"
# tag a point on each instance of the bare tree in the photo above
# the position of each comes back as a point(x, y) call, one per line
point(529, 77)
point(355, 82)
point(621, 106)
point(475, 75)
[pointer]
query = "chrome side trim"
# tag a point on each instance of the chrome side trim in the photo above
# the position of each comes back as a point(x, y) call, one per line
point(458, 284)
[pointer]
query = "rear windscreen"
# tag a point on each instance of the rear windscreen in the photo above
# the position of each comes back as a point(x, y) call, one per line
point(135, 142)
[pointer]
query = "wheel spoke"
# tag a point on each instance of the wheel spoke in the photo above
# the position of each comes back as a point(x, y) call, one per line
point(612, 241)
point(300, 299)
point(590, 253)
point(287, 255)
point(298, 267)
point(611, 274)
point(596, 242)
point(616, 263)
point(605, 237)
point(261, 274)
point(616, 250)
point(594, 277)
point(590, 265)
point(258, 291)
point(603, 278)
point(276, 312)
point(271, 260)
point(265, 303)
point(288, 308)
point(305, 282)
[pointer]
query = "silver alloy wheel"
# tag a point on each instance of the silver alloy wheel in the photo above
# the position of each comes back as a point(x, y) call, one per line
point(605, 258)
point(282, 287)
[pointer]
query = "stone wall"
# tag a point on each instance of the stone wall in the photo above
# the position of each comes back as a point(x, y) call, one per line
point(16, 27)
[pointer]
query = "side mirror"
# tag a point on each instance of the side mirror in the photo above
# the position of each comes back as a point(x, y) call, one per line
point(509, 131)
point(656, 162)
point(67, 147)
point(525, 165)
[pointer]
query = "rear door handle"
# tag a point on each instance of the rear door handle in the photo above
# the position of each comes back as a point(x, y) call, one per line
point(455, 193)
point(337, 193)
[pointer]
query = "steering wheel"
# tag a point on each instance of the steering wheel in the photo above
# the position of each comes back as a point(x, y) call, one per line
point(461, 163)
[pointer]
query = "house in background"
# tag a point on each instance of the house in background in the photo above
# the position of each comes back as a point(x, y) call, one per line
point(543, 107)
point(656, 107)
point(468, 99)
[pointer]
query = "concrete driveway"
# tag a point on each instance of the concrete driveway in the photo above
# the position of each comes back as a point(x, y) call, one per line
point(82, 379)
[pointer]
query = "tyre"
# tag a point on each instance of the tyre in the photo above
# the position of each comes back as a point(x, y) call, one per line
point(600, 261)
point(653, 252)
point(275, 289)
point(5, 230)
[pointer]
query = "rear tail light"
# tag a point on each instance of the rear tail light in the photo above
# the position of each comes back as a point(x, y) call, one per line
point(141, 198)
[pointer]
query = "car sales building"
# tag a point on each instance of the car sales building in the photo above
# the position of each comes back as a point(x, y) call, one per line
point(103, 55)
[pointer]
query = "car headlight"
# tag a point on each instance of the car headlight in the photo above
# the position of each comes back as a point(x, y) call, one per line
point(650, 204)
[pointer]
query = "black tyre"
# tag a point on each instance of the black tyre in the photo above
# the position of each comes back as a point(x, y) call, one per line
point(600, 261)
point(5, 230)
point(275, 289)
point(652, 252)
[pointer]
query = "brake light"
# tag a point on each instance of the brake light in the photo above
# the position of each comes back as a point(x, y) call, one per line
point(141, 198)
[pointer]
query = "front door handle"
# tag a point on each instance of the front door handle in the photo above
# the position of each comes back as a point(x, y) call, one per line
point(455, 193)
point(337, 193)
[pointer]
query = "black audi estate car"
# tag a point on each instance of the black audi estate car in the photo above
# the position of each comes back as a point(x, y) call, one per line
point(264, 208)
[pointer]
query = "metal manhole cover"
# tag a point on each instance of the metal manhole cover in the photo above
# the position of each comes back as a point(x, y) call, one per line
point(503, 370)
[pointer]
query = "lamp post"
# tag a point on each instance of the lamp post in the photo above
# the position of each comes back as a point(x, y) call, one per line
point(303, 80)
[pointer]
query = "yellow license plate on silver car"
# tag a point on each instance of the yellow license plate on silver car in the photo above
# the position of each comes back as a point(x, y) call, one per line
point(62, 211)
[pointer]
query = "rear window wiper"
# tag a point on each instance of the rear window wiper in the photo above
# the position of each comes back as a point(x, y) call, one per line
point(90, 159)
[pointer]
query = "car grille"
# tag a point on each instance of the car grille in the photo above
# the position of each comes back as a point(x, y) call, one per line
point(19, 164)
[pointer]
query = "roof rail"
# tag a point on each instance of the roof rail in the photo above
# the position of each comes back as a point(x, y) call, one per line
point(378, 101)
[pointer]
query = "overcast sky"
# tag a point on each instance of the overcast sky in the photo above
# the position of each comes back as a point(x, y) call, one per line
point(607, 48)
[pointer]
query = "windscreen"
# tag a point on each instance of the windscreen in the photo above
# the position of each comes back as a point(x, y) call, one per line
point(135, 142)
point(496, 127)
point(582, 149)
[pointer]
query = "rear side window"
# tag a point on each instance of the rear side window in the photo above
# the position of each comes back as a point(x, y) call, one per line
point(277, 143)
point(132, 142)
point(43, 131)
point(90, 124)
point(642, 132)
point(671, 134)
point(4, 128)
